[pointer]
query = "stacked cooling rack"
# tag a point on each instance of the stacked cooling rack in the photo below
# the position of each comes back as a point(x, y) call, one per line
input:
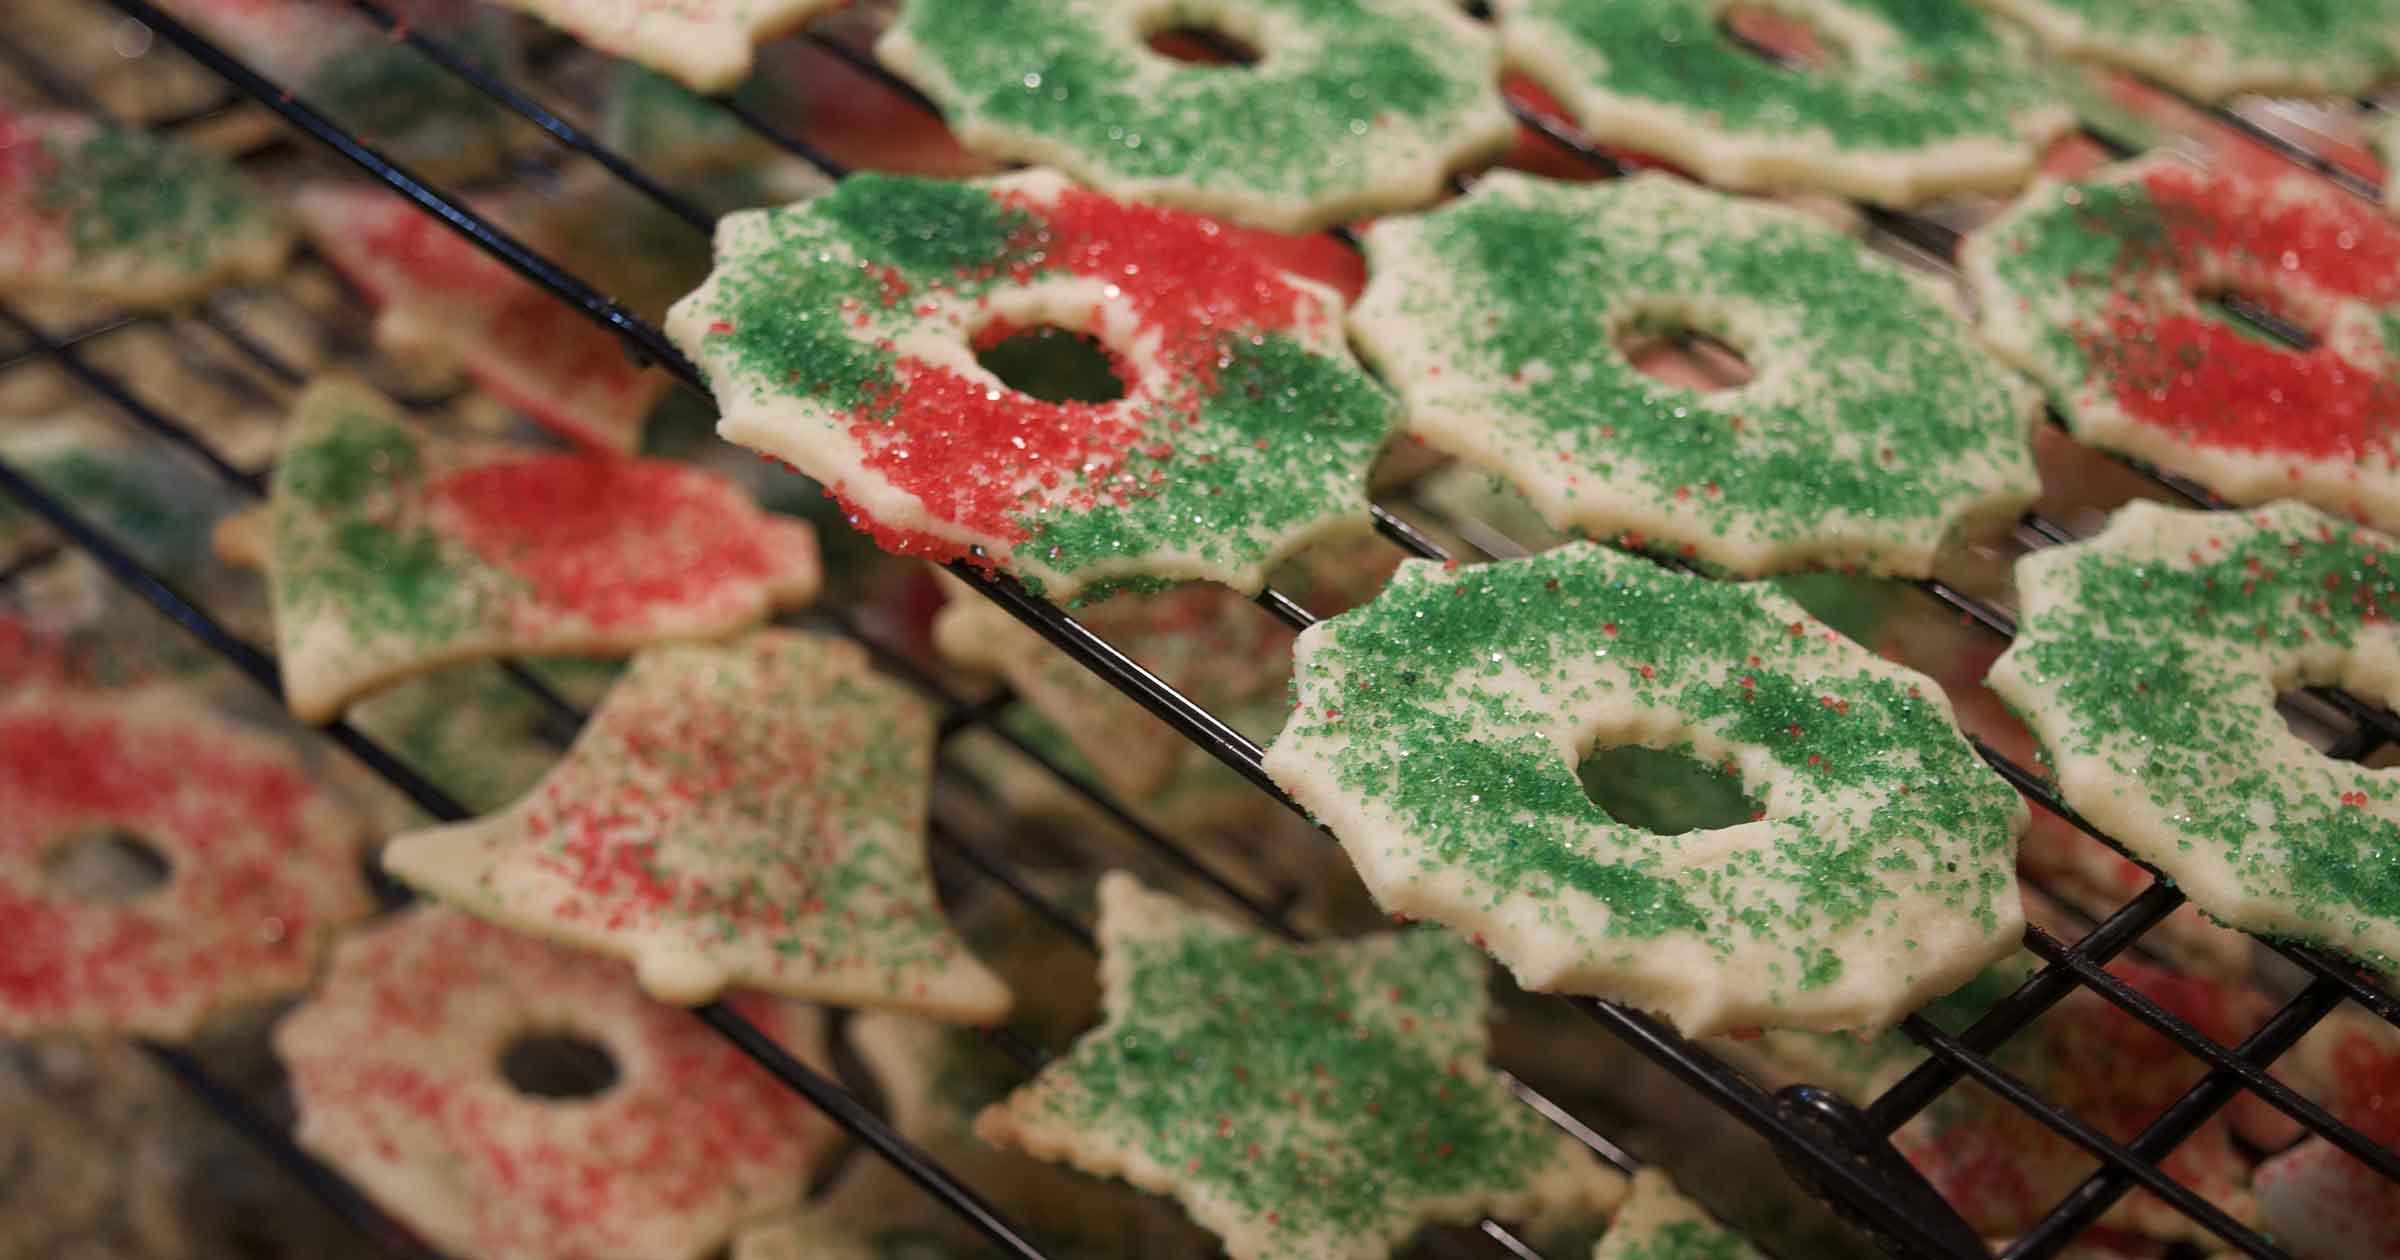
point(1837, 1151)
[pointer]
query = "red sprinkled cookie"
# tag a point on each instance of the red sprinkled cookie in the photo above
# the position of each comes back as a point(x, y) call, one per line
point(391, 552)
point(402, 1066)
point(441, 299)
point(2315, 1199)
point(751, 813)
point(259, 864)
point(125, 218)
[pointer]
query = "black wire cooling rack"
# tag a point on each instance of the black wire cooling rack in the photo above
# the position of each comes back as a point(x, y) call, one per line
point(1836, 1150)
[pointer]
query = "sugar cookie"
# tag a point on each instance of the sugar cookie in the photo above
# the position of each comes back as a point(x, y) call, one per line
point(2147, 661)
point(391, 552)
point(1376, 1084)
point(259, 864)
point(1437, 731)
point(123, 217)
point(1930, 96)
point(840, 337)
point(2315, 1199)
point(748, 813)
point(1354, 106)
point(2213, 49)
point(397, 1066)
point(2096, 289)
point(1875, 430)
point(708, 45)
point(1658, 1223)
point(440, 299)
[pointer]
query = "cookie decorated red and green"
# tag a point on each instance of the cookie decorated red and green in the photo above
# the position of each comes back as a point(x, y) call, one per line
point(391, 551)
point(123, 217)
point(2315, 1199)
point(1303, 1103)
point(261, 864)
point(2148, 661)
point(2213, 49)
point(1351, 107)
point(1874, 432)
point(1437, 732)
point(396, 1066)
point(840, 336)
point(751, 813)
point(440, 298)
point(1923, 97)
point(2101, 290)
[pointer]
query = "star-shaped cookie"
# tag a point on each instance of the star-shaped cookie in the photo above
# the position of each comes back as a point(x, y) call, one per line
point(1318, 1103)
point(391, 551)
point(749, 813)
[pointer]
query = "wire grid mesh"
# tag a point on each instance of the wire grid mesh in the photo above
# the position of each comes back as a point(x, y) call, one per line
point(1831, 1145)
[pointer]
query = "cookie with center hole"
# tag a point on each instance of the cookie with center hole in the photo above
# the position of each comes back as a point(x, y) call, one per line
point(508, 1098)
point(1438, 730)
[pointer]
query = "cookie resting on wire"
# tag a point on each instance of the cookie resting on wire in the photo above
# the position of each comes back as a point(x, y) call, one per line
point(123, 217)
point(1927, 96)
point(391, 552)
point(2213, 49)
point(2148, 660)
point(2100, 291)
point(261, 864)
point(1354, 106)
point(396, 1064)
point(707, 45)
point(751, 813)
point(1303, 1103)
point(839, 336)
point(1437, 731)
point(1874, 432)
point(1659, 1223)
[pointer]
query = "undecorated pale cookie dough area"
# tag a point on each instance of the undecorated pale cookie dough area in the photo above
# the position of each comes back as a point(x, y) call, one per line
point(2148, 663)
point(1873, 433)
point(1352, 106)
point(706, 44)
point(1438, 730)
point(1922, 97)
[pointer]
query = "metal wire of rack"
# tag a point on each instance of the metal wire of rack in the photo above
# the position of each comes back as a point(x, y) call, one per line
point(1832, 1145)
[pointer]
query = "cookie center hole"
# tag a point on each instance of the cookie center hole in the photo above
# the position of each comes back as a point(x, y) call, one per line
point(1783, 40)
point(1679, 354)
point(558, 1065)
point(2259, 317)
point(107, 866)
point(1664, 792)
point(1201, 44)
point(1051, 363)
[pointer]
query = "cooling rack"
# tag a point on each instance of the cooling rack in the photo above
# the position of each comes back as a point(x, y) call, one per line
point(1835, 1149)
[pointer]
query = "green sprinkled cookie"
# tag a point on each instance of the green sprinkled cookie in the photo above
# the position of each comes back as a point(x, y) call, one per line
point(2148, 661)
point(1437, 732)
point(2213, 49)
point(2105, 291)
point(1925, 97)
point(1874, 431)
point(390, 551)
point(125, 218)
point(841, 336)
point(746, 814)
point(1316, 1103)
point(1353, 106)
point(1658, 1223)
point(707, 45)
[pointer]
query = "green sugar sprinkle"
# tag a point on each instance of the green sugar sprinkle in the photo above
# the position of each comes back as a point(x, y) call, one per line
point(1417, 703)
point(1369, 1098)
point(1946, 75)
point(126, 191)
point(2353, 36)
point(1872, 406)
point(1296, 124)
point(2158, 668)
